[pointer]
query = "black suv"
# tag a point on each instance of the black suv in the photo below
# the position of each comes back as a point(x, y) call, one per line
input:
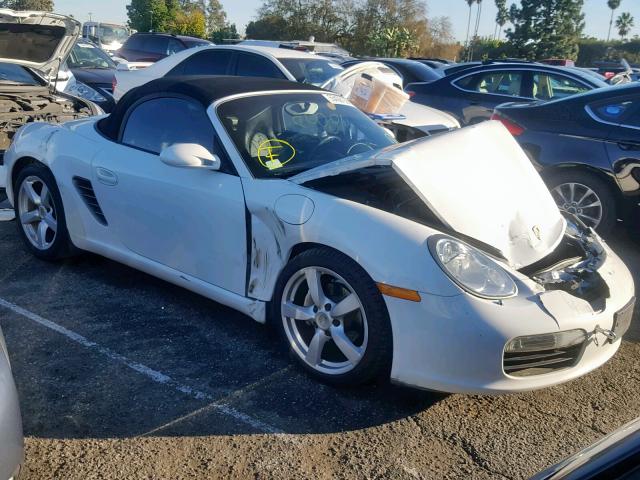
point(151, 47)
point(471, 94)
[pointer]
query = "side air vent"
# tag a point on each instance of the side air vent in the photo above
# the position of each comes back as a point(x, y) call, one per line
point(85, 189)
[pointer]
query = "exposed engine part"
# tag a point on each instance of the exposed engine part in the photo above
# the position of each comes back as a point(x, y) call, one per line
point(378, 187)
point(573, 267)
point(19, 109)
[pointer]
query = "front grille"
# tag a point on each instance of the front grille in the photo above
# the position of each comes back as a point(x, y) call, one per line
point(525, 364)
point(85, 189)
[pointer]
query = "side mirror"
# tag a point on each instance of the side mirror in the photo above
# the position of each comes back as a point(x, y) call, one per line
point(63, 75)
point(189, 155)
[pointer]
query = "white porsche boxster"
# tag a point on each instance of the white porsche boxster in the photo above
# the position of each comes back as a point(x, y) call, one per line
point(442, 263)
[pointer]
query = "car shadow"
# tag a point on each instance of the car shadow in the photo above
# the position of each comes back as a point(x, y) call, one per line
point(141, 331)
point(71, 391)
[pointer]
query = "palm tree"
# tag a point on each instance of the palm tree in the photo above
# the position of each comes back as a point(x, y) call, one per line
point(613, 5)
point(470, 3)
point(502, 17)
point(479, 14)
point(624, 24)
point(475, 32)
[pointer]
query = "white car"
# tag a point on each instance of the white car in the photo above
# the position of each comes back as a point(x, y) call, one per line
point(283, 63)
point(28, 75)
point(11, 440)
point(443, 263)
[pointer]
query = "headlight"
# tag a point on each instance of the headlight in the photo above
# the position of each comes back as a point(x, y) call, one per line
point(85, 91)
point(472, 270)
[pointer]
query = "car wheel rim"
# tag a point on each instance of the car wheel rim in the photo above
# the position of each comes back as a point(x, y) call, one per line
point(581, 201)
point(324, 320)
point(37, 213)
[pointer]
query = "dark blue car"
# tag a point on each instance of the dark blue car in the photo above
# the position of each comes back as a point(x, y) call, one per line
point(587, 148)
point(470, 94)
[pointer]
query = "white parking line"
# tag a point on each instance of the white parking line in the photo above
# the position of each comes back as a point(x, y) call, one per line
point(150, 373)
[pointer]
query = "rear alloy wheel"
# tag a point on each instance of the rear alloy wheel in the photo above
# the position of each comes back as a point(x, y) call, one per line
point(587, 197)
point(333, 318)
point(40, 214)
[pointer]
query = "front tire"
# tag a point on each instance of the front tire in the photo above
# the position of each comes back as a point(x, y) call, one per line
point(333, 319)
point(40, 214)
point(586, 196)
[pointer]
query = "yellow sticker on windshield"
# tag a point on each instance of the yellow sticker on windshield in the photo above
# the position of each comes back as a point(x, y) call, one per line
point(275, 153)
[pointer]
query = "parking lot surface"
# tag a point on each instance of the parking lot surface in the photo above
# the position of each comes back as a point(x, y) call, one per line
point(124, 376)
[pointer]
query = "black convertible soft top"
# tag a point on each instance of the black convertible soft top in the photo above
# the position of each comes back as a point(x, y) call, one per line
point(203, 89)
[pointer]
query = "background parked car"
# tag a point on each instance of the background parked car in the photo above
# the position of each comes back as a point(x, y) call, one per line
point(26, 77)
point(95, 70)
point(471, 94)
point(614, 457)
point(151, 47)
point(285, 63)
point(587, 148)
point(11, 442)
point(411, 71)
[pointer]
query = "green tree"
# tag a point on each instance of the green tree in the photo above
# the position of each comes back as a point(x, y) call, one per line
point(150, 15)
point(269, 27)
point(624, 24)
point(40, 5)
point(613, 5)
point(393, 42)
point(546, 29)
point(216, 17)
point(228, 32)
point(190, 21)
point(502, 17)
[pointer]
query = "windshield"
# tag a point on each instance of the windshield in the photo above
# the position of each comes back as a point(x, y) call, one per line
point(315, 71)
point(17, 75)
point(280, 135)
point(86, 55)
point(112, 33)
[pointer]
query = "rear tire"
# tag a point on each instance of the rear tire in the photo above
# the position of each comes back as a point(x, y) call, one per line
point(317, 287)
point(586, 196)
point(40, 217)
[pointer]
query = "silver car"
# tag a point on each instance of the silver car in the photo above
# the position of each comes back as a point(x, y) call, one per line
point(11, 440)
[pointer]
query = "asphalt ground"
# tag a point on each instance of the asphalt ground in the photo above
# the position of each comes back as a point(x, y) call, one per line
point(121, 375)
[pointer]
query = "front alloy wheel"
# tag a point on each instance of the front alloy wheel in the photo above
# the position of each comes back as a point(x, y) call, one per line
point(40, 214)
point(333, 318)
point(324, 320)
point(37, 213)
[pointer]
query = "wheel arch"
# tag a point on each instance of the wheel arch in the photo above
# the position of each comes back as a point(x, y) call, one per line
point(19, 165)
point(548, 172)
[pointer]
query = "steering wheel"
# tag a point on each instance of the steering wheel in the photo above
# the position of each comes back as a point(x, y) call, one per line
point(359, 144)
point(324, 142)
point(328, 140)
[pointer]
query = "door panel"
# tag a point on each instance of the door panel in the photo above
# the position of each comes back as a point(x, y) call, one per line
point(188, 219)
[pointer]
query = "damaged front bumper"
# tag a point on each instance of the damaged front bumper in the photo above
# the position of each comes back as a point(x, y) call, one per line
point(459, 344)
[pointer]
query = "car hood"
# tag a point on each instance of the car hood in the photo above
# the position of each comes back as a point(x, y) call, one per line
point(342, 83)
point(426, 118)
point(94, 75)
point(479, 183)
point(39, 40)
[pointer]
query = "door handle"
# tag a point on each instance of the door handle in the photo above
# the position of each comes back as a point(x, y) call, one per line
point(629, 146)
point(106, 177)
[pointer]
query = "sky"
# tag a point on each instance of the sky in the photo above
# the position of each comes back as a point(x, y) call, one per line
point(242, 12)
